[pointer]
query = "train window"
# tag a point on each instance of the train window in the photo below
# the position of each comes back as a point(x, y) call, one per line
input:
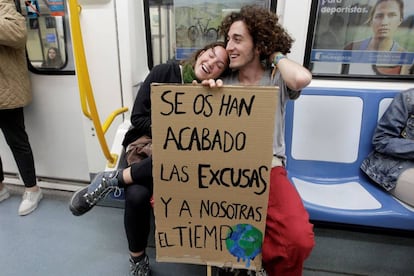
point(361, 38)
point(179, 27)
point(47, 35)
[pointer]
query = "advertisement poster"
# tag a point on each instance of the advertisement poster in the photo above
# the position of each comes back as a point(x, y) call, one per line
point(211, 172)
point(364, 37)
point(197, 22)
point(57, 7)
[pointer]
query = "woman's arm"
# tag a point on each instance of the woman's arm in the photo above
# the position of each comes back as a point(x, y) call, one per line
point(13, 32)
point(387, 136)
point(141, 112)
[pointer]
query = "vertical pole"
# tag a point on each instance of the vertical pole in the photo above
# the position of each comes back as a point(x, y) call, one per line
point(208, 270)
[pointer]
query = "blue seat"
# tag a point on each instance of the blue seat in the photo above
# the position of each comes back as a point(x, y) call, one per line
point(328, 135)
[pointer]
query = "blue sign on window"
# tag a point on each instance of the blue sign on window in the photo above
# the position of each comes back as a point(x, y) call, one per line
point(50, 38)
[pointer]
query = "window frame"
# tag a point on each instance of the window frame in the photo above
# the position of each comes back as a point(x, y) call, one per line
point(66, 38)
point(147, 19)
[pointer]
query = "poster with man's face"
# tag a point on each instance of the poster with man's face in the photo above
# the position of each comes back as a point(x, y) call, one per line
point(364, 37)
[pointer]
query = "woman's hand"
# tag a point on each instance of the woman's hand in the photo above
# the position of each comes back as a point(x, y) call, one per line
point(212, 83)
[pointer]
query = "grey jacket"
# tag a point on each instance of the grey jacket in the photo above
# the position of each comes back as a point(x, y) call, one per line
point(14, 77)
point(393, 142)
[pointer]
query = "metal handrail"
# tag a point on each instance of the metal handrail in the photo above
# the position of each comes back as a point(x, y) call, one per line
point(85, 89)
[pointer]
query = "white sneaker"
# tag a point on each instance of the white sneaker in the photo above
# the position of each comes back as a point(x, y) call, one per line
point(30, 202)
point(4, 194)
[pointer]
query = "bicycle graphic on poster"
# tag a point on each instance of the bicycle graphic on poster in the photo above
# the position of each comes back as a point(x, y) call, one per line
point(197, 31)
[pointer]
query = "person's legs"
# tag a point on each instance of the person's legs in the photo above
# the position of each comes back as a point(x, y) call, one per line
point(137, 218)
point(142, 173)
point(12, 125)
point(85, 198)
point(404, 190)
point(289, 236)
point(138, 184)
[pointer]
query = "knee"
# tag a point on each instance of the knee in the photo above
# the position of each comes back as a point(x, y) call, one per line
point(301, 239)
point(303, 244)
point(294, 244)
point(137, 196)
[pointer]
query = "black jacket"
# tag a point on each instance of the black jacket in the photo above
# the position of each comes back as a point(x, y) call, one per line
point(141, 112)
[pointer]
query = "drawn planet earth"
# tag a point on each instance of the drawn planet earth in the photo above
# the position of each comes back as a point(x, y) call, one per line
point(244, 242)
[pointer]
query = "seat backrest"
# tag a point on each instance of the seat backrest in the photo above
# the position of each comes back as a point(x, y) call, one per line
point(329, 131)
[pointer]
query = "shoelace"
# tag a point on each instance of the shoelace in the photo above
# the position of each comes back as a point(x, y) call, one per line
point(100, 192)
point(141, 268)
point(117, 192)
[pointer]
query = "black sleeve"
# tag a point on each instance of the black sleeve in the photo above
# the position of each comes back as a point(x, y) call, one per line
point(141, 112)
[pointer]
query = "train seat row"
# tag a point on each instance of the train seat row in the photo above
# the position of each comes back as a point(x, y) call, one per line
point(324, 160)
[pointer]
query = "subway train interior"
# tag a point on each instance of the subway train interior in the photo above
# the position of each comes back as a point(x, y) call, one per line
point(81, 110)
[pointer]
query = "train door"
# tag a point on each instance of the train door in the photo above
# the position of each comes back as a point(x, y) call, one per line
point(53, 119)
point(63, 138)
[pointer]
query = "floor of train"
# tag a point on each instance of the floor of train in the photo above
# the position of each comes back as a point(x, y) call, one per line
point(51, 241)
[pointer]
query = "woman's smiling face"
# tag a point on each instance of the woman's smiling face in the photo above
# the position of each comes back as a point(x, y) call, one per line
point(211, 63)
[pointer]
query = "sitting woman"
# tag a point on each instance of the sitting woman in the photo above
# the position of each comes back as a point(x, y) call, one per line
point(391, 164)
point(207, 63)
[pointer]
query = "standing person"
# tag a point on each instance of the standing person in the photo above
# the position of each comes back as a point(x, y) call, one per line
point(391, 164)
point(252, 35)
point(207, 63)
point(15, 93)
point(384, 19)
point(53, 59)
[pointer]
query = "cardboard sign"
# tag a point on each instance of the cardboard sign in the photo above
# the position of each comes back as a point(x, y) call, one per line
point(212, 154)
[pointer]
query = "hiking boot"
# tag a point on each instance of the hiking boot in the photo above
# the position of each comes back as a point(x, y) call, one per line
point(30, 202)
point(140, 268)
point(4, 194)
point(84, 199)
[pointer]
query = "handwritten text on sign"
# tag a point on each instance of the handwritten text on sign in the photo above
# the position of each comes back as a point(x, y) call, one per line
point(212, 151)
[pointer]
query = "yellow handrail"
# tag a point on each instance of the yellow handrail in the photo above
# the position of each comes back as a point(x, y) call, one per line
point(85, 89)
point(112, 116)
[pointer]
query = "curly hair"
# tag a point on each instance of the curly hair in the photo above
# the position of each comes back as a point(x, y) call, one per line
point(268, 35)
